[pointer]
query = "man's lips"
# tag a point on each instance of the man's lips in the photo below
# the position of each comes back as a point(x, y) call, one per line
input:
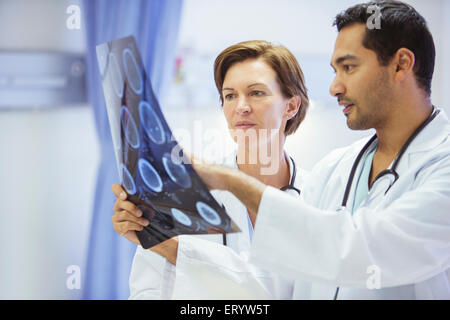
point(348, 108)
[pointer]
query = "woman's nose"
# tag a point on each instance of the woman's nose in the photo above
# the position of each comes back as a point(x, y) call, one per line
point(243, 108)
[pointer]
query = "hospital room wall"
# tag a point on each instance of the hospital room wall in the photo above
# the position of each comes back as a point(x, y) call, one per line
point(49, 157)
point(304, 27)
point(48, 163)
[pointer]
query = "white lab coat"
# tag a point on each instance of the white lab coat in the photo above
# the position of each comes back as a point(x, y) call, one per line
point(206, 269)
point(398, 242)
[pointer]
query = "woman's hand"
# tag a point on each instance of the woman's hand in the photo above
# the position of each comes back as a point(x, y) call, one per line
point(127, 218)
point(168, 249)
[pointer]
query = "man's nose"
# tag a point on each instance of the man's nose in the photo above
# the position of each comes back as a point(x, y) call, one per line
point(337, 88)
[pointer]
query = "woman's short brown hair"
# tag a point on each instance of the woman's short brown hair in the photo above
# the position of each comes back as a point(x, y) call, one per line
point(280, 59)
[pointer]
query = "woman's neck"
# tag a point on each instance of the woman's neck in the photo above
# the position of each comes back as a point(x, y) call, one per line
point(269, 166)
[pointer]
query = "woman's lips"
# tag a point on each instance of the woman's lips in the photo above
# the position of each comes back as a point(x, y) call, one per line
point(244, 126)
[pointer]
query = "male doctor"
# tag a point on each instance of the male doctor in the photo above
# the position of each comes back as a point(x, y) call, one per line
point(374, 219)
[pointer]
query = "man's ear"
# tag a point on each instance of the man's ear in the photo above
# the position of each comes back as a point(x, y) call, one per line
point(404, 61)
point(293, 107)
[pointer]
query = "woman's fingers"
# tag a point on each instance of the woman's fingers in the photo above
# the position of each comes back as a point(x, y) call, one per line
point(125, 216)
point(120, 205)
point(119, 192)
point(123, 227)
point(128, 230)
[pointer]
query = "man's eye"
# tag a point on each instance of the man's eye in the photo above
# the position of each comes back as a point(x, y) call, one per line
point(348, 68)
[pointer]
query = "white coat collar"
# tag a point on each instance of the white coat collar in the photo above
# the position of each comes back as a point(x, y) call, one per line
point(432, 135)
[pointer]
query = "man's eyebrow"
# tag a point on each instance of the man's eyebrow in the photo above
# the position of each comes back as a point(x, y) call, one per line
point(340, 60)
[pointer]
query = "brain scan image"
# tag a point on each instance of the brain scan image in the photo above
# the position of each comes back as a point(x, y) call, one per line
point(128, 182)
point(176, 172)
point(129, 128)
point(170, 194)
point(150, 176)
point(132, 71)
point(181, 217)
point(151, 123)
point(208, 213)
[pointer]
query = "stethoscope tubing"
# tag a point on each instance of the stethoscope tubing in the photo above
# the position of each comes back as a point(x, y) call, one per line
point(291, 186)
point(394, 165)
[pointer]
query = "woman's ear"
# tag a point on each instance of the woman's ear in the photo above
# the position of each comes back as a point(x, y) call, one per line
point(292, 107)
point(404, 62)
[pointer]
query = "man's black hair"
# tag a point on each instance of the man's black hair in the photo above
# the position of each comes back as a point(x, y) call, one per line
point(401, 26)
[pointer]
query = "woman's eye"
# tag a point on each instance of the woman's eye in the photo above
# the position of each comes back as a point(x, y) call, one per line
point(257, 93)
point(229, 96)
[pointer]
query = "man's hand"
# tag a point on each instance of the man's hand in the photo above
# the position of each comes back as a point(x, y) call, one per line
point(212, 175)
point(246, 188)
point(127, 218)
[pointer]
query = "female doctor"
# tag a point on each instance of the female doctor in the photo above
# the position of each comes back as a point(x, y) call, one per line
point(264, 99)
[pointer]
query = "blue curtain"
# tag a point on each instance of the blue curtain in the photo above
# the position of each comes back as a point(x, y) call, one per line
point(154, 24)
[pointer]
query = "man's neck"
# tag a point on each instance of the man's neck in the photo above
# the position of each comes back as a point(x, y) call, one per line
point(395, 132)
point(400, 126)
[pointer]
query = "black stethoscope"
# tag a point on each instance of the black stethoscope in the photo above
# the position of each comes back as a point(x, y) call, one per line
point(391, 171)
point(291, 186)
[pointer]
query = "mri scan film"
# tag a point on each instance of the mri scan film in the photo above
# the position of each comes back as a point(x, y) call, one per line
point(150, 162)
